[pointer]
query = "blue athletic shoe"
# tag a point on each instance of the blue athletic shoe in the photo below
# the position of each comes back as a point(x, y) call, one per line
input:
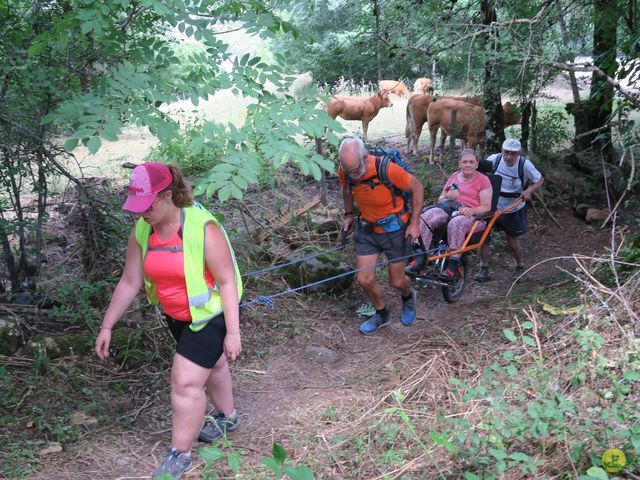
point(374, 324)
point(409, 309)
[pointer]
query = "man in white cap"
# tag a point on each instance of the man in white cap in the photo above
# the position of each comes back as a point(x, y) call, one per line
point(519, 178)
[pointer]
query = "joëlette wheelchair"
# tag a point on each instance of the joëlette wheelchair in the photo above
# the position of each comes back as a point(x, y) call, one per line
point(430, 261)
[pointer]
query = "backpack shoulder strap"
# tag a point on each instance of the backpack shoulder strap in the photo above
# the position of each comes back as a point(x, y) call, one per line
point(496, 162)
point(382, 167)
point(521, 161)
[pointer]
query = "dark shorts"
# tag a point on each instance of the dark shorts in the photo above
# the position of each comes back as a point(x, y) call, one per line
point(203, 348)
point(393, 244)
point(514, 224)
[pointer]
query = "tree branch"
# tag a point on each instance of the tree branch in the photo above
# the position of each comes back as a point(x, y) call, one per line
point(634, 98)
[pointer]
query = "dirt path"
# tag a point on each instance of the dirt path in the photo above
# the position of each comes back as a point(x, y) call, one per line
point(284, 395)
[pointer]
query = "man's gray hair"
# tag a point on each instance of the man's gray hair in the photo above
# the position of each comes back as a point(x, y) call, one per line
point(362, 149)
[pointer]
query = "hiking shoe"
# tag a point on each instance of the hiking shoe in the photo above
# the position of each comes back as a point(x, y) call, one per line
point(175, 463)
point(374, 324)
point(518, 270)
point(409, 309)
point(218, 425)
point(482, 275)
point(449, 275)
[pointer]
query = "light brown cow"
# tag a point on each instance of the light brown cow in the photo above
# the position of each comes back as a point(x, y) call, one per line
point(423, 85)
point(394, 86)
point(470, 123)
point(358, 108)
point(472, 99)
point(416, 118)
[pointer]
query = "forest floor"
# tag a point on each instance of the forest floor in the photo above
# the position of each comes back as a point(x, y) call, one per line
point(285, 395)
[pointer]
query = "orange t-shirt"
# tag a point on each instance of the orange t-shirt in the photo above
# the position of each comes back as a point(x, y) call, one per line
point(377, 203)
point(166, 269)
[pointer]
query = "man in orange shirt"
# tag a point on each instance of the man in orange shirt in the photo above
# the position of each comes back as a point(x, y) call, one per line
point(384, 225)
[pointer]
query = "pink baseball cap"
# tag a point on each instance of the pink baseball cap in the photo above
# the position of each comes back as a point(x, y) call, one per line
point(144, 184)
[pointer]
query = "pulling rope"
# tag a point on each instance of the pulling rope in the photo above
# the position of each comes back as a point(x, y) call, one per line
point(268, 299)
point(293, 262)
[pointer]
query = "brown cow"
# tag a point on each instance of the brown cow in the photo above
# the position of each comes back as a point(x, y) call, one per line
point(470, 123)
point(511, 114)
point(358, 108)
point(394, 86)
point(416, 118)
point(423, 85)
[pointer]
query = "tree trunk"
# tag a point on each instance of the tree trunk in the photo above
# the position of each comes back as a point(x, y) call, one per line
point(376, 14)
point(527, 111)
point(600, 103)
point(492, 101)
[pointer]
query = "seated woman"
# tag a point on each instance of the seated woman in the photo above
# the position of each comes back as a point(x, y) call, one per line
point(471, 193)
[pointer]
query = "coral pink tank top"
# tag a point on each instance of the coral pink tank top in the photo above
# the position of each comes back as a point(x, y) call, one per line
point(164, 264)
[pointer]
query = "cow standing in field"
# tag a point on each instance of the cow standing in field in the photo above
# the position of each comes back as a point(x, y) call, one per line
point(510, 112)
point(394, 86)
point(416, 117)
point(423, 85)
point(358, 108)
point(469, 126)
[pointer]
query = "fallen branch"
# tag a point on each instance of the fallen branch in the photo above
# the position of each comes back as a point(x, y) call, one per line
point(539, 198)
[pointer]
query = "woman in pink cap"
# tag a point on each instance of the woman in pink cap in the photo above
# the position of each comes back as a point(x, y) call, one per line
point(182, 256)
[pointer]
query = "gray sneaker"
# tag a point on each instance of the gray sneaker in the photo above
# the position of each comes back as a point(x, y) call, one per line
point(218, 425)
point(174, 465)
point(482, 275)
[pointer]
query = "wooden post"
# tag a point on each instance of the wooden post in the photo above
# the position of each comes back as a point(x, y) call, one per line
point(323, 177)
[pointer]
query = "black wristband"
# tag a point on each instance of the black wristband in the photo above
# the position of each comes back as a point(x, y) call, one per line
point(346, 214)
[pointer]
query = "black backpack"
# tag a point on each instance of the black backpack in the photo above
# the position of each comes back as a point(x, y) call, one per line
point(383, 158)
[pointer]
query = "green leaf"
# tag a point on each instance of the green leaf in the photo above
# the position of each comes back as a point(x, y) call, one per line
point(270, 463)
point(631, 376)
point(211, 454)
point(94, 145)
point(70, 144)
point(279, 453)
point(509, 335)
point(527, 340)
point(301, 472)
point(597, 472)
point(233, 460)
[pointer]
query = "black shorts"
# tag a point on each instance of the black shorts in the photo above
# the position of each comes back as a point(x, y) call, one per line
point(514, 224)
point(394, 244)
point(204, 347)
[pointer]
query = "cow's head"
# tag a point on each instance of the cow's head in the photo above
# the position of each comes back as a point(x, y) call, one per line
point(383, 97)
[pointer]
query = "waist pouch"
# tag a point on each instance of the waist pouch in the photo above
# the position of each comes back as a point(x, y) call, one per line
point(391, 223)
point(448, 206)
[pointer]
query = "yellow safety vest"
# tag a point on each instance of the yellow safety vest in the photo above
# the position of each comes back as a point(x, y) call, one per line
point(204, 303)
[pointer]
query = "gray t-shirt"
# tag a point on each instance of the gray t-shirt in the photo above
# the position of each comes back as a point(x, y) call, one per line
point(511, 180)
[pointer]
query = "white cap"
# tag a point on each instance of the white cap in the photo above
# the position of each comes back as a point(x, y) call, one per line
point(512, 145)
